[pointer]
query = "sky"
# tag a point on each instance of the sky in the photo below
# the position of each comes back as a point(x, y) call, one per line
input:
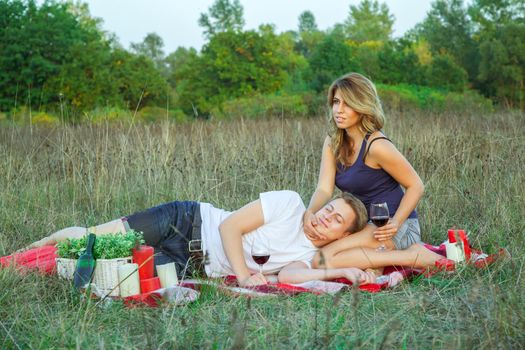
point(176, 21)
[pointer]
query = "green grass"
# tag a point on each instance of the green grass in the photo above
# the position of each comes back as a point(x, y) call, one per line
point(473, 167)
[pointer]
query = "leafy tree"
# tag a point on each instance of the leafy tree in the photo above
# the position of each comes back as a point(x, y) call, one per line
point(500, 35)
point(136, 80)
point(35, 42)
point(296, 65)
point(369, 21)
point(444, 72)
point(329, 60)
point(367, 55)
point(84, 81)
point(307, 22)
point(57, 53)
point(398, 63)
point(489, 14)
point(308, 36)
point(422, 50)
point(151, 47)
point(109, 78)
point(449, 30)
point(223, 16)
point(233, 64)
point(178, 62)
point(502, 66)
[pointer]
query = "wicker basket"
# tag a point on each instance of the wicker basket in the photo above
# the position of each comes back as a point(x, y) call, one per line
point(105, 276)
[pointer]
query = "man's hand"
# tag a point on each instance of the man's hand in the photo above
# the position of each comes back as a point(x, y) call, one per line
point(309, 226)
point(357, 276)
point(242, 221)
point(254, 280)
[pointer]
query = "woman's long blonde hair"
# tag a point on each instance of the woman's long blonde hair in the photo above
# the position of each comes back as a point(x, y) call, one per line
point(360, 94)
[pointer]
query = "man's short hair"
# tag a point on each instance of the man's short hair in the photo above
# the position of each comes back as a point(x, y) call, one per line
point(361, 215)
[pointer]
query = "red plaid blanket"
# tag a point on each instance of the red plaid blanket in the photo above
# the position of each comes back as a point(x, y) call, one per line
point(43, 260)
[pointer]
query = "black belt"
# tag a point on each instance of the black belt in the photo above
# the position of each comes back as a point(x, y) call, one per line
point(195, 248)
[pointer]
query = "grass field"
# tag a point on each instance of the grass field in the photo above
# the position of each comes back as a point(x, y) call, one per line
point(473, 167)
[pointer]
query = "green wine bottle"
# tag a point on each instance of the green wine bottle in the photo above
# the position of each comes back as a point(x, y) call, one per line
point(85, 264)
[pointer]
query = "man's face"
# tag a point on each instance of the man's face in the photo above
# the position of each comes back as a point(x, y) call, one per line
point(334, 219)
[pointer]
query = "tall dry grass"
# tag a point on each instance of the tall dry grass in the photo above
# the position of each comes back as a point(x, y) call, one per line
point(472, 165)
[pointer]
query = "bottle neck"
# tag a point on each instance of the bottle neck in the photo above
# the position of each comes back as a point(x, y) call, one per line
point(90, 243)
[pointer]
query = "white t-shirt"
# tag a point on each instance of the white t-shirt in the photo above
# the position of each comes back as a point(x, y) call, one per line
point(283, 228)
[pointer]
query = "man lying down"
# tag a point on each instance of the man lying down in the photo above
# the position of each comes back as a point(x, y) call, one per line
point(201, 238)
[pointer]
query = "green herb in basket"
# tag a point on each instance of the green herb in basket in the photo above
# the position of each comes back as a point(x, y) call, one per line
point(107, 246)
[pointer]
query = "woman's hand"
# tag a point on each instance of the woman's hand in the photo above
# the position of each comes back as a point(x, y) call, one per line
point(385, 233)
point(257, 279)
point(309, 226)
point(357, 276)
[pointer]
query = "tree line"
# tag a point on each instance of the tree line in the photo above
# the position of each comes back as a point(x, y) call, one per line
point(57, 54)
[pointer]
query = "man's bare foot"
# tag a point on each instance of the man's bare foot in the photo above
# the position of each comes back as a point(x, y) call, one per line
point(422, 257)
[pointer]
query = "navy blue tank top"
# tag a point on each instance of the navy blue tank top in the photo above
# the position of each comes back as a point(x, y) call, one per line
point(370, 185)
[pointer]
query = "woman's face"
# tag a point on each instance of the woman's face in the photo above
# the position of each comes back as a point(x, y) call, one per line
point(344, 116)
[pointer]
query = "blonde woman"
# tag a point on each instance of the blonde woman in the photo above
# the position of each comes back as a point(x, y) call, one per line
point(358, 158)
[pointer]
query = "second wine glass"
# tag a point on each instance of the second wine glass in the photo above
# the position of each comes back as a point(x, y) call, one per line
point(379, 215)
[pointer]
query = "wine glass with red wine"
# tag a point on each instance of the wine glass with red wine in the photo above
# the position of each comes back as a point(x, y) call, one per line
point(379, 215)
point(260, 251)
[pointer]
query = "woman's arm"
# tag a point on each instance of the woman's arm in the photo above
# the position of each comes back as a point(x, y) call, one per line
point(385, 155)
point(364, 238)
point(242, 221)
point(298, 272)
point(323, 191)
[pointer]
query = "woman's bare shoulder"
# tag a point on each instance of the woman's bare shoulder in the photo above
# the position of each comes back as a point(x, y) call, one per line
point(381, 147)
point(376, 134)
point(327, 142)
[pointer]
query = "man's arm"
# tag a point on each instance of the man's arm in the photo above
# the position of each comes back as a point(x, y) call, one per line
point(298, 272)
point(242, 221)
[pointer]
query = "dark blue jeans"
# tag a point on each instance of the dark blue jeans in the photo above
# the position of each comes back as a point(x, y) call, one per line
point(168, 228)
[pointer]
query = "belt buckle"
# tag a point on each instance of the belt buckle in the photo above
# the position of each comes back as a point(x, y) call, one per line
point(192, 248)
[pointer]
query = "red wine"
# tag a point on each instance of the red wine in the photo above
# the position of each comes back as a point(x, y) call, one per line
point(261, 259)
point(379, 220)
